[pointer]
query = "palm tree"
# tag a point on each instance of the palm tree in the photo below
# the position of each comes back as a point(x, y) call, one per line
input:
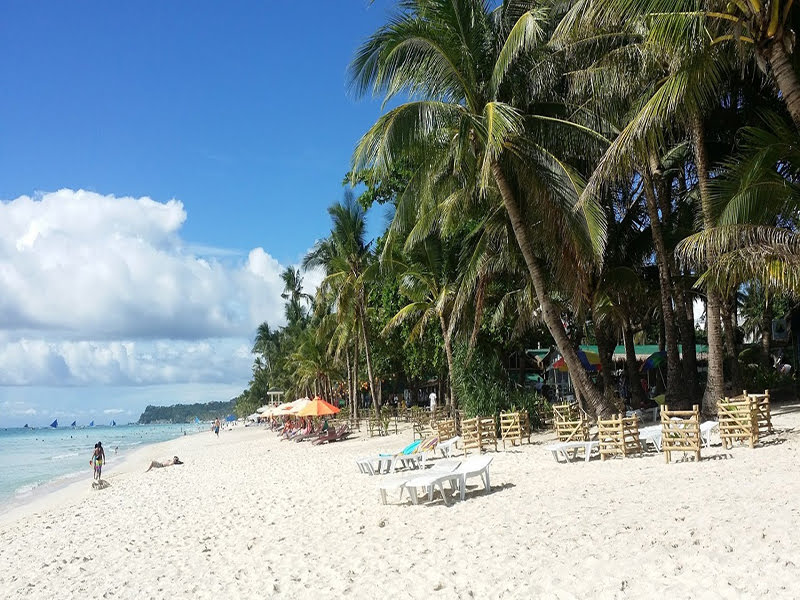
point(765, 27)
point(293, 292)
point(345, 257)
point(469, 66)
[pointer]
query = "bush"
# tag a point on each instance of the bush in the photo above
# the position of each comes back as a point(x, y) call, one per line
point(757, 379)
point(484, 388)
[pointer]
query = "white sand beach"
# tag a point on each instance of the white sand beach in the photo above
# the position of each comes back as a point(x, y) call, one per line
point(248, 516)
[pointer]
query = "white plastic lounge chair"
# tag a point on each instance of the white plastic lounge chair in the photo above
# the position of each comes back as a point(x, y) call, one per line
point(443, 472)
point(476, 466)
point(651, 434)
point(447, 446)
point(400, 481)
point(569, 450)
point(705, 431)
point(365, 465)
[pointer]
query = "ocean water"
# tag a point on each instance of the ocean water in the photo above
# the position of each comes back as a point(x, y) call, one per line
point(33, 459)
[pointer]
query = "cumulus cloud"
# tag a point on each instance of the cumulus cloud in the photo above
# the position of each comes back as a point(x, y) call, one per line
point(103, 290)
point(94, 266)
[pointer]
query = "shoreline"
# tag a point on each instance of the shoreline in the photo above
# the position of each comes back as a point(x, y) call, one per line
point(70, 487)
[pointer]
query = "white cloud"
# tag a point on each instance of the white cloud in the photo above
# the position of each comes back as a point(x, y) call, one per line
point(100, 267)
point(114, 411)
point(102, 290)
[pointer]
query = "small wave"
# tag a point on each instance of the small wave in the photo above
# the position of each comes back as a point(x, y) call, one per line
point(62, 456)
point(26, 490)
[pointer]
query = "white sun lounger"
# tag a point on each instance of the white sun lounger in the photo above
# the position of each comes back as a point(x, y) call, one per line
point(400, 481)
point(651, 434)
point(569, 450)
point(476, 466)
point(705, 431)
point(447, 446)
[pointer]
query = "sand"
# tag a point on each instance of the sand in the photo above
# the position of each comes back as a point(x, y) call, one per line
point(249, 516)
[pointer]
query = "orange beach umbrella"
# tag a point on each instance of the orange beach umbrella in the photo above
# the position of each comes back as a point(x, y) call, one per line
point(317, 408)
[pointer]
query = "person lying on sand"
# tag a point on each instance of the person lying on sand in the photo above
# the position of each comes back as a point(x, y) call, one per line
point(171, 461)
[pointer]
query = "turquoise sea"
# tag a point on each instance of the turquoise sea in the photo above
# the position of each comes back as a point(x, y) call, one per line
point(32, 460)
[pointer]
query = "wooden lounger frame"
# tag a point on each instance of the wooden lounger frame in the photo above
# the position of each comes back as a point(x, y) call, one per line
point(764, 415)
point(619, 436)
point(478, 433)
point(570, 423)
point(446, 428)
point(680, 432)
point(738, 421)
point(511, 428)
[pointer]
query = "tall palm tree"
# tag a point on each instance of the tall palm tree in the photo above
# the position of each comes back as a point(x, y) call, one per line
point(476, 121)
point(293, 292)
point(345, 256)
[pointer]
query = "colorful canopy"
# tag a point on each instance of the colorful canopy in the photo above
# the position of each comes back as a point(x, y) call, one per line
point(655, 360)
point(317, 408)
point(590, 361)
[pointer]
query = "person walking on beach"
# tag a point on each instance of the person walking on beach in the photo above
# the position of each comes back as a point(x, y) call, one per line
point(216, 427)
point(97, 460)
point(432, 398)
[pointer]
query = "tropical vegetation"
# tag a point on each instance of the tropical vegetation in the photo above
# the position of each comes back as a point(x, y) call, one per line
point(559, 172)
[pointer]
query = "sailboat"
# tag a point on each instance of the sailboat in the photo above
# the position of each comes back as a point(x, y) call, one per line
point(91, 424)
point(26, 426)
point(74, 423)
point(196, 420)
point(54, 424)
point(113, 423)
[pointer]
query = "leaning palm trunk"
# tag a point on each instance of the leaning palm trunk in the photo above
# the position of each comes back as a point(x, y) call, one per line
point(595, 401)
point(786, 78)
point(674, 380)
point(715, 385)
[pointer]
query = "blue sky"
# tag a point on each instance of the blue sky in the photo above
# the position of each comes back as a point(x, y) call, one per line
point(239, 111)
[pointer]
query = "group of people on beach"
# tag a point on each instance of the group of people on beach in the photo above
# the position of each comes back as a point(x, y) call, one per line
point(302, 426)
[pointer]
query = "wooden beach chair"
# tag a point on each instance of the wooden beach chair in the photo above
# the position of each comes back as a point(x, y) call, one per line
point(738, 421)
point(510, 428)
point(680, 432)
point(764, 414)
point(619, 436)
point(570, 423)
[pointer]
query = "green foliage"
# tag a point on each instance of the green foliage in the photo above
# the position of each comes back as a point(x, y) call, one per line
point(185, 413)
point(757, 379)
point(480, 382)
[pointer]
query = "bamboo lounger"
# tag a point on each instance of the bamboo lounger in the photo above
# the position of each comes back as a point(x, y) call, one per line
point(511, 428)
point(738, 421)
point(619, 436)
point(680, 432)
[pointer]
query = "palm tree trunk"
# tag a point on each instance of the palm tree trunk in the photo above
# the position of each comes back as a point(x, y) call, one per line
point(448, 351)
point(355, 378)
point(634, 379)
point(594, 400)
point(674, 376)
point(785, 77)
point(715, 384)
point(685, 316)
point(367, 359)
point(605, 350)
point(766, 335)
point(729, 329)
